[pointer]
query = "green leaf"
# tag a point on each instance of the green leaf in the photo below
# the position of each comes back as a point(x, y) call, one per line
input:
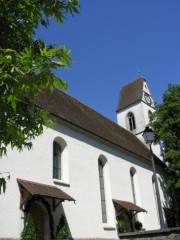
point(26, 67)
point(166, 123)
point(2, 185)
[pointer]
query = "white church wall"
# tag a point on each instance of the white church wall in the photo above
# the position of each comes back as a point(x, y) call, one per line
point(121, 186)
point(30, 165)
point(148, 199)
point(119, 167)
point(82, 183)
point(10, 217)
point(36, 165)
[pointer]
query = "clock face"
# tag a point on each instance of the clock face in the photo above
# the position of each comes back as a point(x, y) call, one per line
point(147, 98)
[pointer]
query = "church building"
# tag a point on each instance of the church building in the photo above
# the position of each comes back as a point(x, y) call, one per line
point(88, 169)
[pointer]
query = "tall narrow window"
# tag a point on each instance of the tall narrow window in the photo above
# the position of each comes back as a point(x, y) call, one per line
point(136, 194)
point(132, 124)
point(155, 197)
point(56, 161)
point(102, 190)
point(132, 173)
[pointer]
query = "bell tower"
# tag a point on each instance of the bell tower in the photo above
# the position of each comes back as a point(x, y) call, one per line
point(135, 105)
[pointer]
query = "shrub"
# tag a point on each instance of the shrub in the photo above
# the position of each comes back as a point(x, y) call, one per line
point(62, 229)
point(138, 225)
point(121, 225)
point(29, 231)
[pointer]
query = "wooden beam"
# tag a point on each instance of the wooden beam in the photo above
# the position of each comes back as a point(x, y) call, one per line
point(24, 197)
point(55, 205)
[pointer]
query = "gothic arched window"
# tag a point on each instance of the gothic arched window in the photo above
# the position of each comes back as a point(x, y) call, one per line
point(56, 160)
point(132, 175)
point(102, 191)
point(132, 123)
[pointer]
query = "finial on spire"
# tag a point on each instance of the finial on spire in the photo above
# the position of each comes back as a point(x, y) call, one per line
point(139, 73)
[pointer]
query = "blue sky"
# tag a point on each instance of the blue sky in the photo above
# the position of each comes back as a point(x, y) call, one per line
point(111, 41)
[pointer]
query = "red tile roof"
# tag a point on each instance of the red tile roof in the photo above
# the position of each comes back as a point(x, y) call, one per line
point(130, 94)
point(39, 189)
point(128, 206)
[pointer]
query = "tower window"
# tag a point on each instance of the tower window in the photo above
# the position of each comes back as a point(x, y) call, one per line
point(132, 124)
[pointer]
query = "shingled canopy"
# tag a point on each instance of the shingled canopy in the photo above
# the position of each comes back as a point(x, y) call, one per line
point(129, 207)
point(31, 189)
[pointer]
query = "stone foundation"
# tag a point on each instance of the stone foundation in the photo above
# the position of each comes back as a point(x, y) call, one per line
point(166, 234)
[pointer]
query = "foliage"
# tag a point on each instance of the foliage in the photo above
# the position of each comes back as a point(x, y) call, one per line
point(138, 225)
point(29, 232)
point(62, 229)
point(121, 225)
point(27, 67)
point(166, 124)
point(3, 181)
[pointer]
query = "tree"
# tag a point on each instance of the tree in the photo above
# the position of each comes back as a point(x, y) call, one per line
point(166, 124)
point(26, 65)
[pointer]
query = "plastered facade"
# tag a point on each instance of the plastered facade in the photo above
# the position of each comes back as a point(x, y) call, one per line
point(81, 181)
